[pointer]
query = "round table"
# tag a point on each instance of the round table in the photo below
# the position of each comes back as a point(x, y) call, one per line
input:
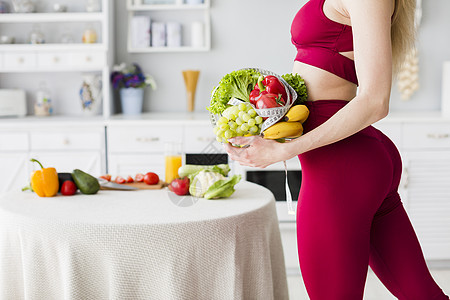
point(146, 244)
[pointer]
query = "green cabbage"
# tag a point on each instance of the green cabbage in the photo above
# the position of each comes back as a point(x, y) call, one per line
point(223, 188)
point(201, 182)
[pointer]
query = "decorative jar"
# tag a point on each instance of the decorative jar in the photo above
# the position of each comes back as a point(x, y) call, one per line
point(91, 94)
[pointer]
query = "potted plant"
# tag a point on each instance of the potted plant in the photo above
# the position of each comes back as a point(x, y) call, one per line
point(131, 81)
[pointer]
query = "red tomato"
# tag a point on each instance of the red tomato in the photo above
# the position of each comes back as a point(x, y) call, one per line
point(180, 186)
point(106, 177)
point(139, 177)
point(120, 180)
point(68, 188)
point(130, 179)
point(151, 178)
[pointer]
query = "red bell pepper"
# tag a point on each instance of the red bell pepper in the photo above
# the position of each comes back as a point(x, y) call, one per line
point(267, 85)
point(269, 101)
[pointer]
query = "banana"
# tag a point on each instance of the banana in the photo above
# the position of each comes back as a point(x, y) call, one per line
point(283, 130)
point(297, 113)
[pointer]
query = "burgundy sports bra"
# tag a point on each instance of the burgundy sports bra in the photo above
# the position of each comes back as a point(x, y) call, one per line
point(319, 40)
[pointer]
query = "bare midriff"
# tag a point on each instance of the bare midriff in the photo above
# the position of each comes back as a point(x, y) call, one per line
point(323, 85)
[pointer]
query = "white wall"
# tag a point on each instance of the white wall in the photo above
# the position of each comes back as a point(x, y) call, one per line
point(256, 33)
point(434, 49)
point(244, 34)
point(250, 33)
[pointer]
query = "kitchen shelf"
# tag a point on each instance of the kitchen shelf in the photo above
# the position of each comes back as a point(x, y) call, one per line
point(50, 17)
point(52, 70)
point(168, 49)
point(53, 47)
point(96, 58)
point(148, 7)
point(167, 9)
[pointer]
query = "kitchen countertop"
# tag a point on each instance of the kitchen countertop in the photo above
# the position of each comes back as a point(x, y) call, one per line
point(177, 118)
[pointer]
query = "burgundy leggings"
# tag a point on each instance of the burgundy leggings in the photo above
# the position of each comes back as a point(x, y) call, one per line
point(350, 216)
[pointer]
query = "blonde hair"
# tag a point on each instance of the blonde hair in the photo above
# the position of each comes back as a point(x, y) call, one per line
point(403, 31)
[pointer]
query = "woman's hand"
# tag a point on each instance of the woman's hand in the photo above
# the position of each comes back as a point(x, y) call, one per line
point(256, 151)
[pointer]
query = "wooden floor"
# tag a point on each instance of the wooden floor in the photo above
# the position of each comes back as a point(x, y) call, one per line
point(374, 290)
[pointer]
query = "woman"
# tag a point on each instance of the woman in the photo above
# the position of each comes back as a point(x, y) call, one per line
point(349, 213)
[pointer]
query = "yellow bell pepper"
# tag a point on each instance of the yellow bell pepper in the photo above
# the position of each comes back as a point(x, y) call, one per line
point(44, 182)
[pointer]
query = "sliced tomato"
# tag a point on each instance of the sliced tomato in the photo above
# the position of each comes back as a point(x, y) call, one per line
point(130, 179)
point(120, 179)
point(139, 177)
point(106, 177)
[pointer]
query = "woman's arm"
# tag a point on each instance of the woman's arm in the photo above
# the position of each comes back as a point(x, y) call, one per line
point(371, 26)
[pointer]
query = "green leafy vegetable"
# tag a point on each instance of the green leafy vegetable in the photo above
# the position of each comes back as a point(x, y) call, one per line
point(298, 84)
point(187, 170)
point(200, 182)
point(222, 188)
point(237, 84)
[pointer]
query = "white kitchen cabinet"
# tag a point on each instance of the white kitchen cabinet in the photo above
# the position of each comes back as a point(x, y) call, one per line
point(201, 139)
point(20, 61)
point(66, 148)
point(134, 163)
point(66, 161)
point(430, 135)
point(392, 130)
point(427, 194)
point(14, 174)
point(142, 138)
point(288, 232)
point(140, 148)
point(172, 12)
point(14, 146)
point(55, 56)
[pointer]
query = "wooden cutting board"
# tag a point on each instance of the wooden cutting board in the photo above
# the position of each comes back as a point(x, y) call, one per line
point(144, 186)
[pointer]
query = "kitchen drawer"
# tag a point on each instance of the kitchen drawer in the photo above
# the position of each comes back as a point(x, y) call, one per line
point(53, 59)
point(426, 135)
point(91, 162)
point(131, 164)
point(19, 60)
point(201, 139)
point(392, 130)
point(1, 61)
point(16, 141)
point(66, 140)
point(148, 139)
point(88, 59)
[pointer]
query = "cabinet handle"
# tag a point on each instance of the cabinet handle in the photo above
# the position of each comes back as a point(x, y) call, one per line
point(404, 180)
point(66, 142)
point(20, 60)
point(88, 59)
point(438, 136)
point(56, 59)
point(147, 140)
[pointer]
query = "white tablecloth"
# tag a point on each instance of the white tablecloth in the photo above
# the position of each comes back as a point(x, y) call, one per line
point(141, 245)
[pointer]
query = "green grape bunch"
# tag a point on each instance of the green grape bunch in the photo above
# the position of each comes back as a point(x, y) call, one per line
point(238, 120)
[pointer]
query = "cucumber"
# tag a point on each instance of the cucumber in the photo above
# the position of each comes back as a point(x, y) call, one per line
point(87, 184)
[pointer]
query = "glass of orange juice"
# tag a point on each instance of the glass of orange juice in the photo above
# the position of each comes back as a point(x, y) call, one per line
point(173, 157)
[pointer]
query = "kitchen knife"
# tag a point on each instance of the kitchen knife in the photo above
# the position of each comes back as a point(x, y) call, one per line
point(108, 185)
